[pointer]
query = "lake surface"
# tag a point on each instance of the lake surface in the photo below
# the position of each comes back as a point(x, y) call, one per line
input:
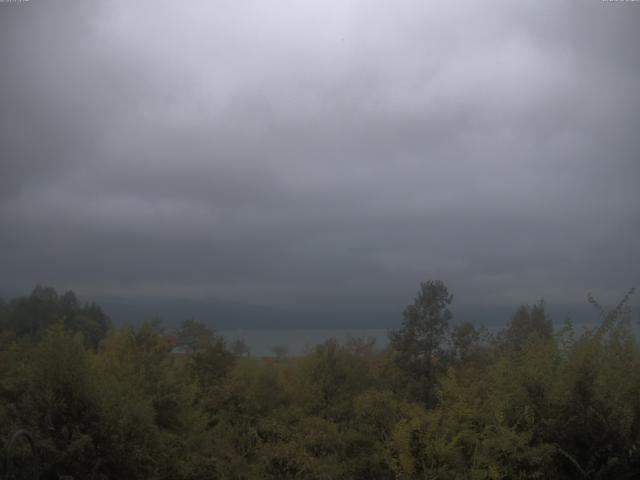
point(261, 342)
point(297, 341)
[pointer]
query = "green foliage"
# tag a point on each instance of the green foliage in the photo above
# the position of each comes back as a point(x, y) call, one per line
point(33, 315)
point(527, 321)
point(534, 404)
point(210, 364)
point(419, 344)
point(195, 335)
point(466, 341)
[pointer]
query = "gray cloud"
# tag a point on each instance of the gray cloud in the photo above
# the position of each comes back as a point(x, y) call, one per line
point(320, 154)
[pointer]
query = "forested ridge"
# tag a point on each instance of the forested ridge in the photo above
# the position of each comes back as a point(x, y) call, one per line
point(445, 400)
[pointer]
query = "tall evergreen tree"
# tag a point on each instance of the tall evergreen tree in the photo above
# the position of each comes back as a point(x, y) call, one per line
point(419, 343)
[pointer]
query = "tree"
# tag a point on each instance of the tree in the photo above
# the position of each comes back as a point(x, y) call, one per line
point(211, 363)
point(53, 395)
point(332, 376)
point(419, 344)
point(465, 338)
point(280, 351)
point(527, 321)
point(195, 335)
point(32, 315)
point(240, 348)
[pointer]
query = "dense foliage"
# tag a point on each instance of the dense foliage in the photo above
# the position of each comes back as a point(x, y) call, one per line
point(444, 401)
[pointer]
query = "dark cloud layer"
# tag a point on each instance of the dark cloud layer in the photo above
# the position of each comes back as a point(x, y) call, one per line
point(320, 153)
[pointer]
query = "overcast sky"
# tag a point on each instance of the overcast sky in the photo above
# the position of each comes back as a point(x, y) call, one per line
point(321, 152)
